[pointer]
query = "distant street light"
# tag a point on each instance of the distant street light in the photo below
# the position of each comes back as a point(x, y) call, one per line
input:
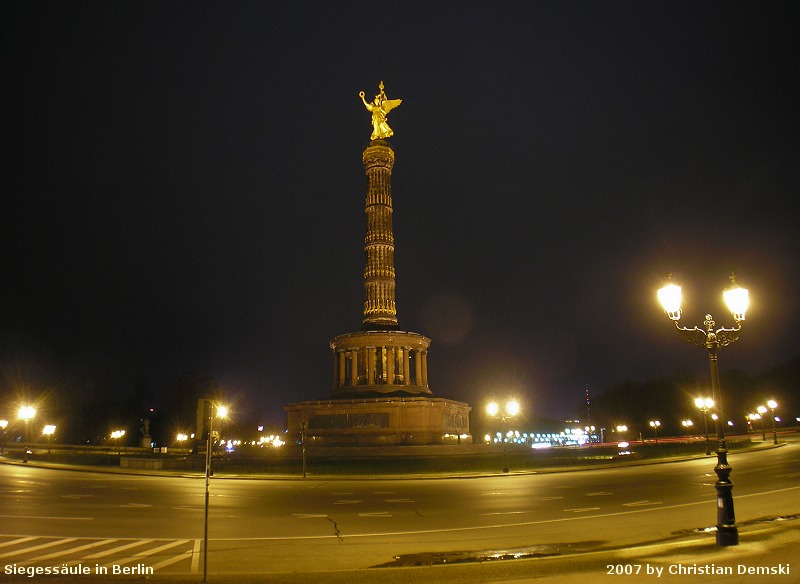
point(713, 340)
point(48, 431)
point(26, 414)
point(772, 404)
point(687, 425)
point(3, 426)
point(510, 410)
point(654, 424)
point(705, 404)
point(761, 411)
point(751, 418)
point(117, 435)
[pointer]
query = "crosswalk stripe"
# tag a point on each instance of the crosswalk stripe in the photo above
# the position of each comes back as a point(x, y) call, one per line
point(38, 547)
point(80, 548)
point(173, 560)
point(166, 559)
point(146, 553)
point(16, 541)
point(121, 548)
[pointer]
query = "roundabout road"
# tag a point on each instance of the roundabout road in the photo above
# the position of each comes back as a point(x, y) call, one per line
point(261, 526)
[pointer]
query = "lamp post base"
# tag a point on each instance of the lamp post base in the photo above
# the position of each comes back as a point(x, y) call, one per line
point(727, 531)
point(727, 535)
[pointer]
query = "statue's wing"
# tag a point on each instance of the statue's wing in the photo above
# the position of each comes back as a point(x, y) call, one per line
point(389, 104)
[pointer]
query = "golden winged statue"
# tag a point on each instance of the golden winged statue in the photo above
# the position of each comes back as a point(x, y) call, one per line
point(380, 108)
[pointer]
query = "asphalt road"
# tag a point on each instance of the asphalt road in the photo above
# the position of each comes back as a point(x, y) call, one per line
point(118, 521)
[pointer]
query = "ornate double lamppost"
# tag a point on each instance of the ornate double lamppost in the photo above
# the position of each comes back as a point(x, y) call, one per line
point(713, 340)
point(510, 410)
point(772, 404)
point(705, 404)
point(655, 424)
point(26, 414)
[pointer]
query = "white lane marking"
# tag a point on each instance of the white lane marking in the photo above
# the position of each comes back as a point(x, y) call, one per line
point(196, 556)
point(498, 525)
point(546, 498)
point(38, 547)
point(46, 517)
point(135, 505)
point(76, 497)
point(581, 509)
point(399, 500)
point(502, 493)
point(598, 494)
point(309, 515)
point(385, 493)
point(347, 502)
point(641, 503)
point(375, 514)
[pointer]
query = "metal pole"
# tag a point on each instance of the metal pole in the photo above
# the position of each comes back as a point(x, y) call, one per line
point(505, 453)
point(774, 431)
point(208, 480)
point(303, 444)
point(727, 531)
point(27, 439)
point(705, 430)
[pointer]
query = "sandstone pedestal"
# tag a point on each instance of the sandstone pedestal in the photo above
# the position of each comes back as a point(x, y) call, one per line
point(388, 421)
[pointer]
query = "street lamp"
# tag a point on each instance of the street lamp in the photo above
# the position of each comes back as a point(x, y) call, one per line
point(687, 425)
point(48, 431)
point(26, 413)
point(221, 413)
point(705, 404)
point(713, 340)
point(3, 426)
point(761, 412)
point(117, 435)
point(654, 424)
point(772, 404)
point(510, 410)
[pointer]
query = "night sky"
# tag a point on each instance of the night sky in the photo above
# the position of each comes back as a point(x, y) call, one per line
point(183, 190)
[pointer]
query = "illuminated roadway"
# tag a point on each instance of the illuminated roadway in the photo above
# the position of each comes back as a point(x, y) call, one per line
point(259, 526)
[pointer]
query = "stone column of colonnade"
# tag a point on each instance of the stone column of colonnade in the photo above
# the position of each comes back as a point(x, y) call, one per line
point(347, 373)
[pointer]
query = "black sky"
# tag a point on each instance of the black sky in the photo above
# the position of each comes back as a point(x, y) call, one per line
point(184, 190)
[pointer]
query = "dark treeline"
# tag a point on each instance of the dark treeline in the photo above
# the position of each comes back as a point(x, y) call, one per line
point(87, 406)
point(671, 399)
